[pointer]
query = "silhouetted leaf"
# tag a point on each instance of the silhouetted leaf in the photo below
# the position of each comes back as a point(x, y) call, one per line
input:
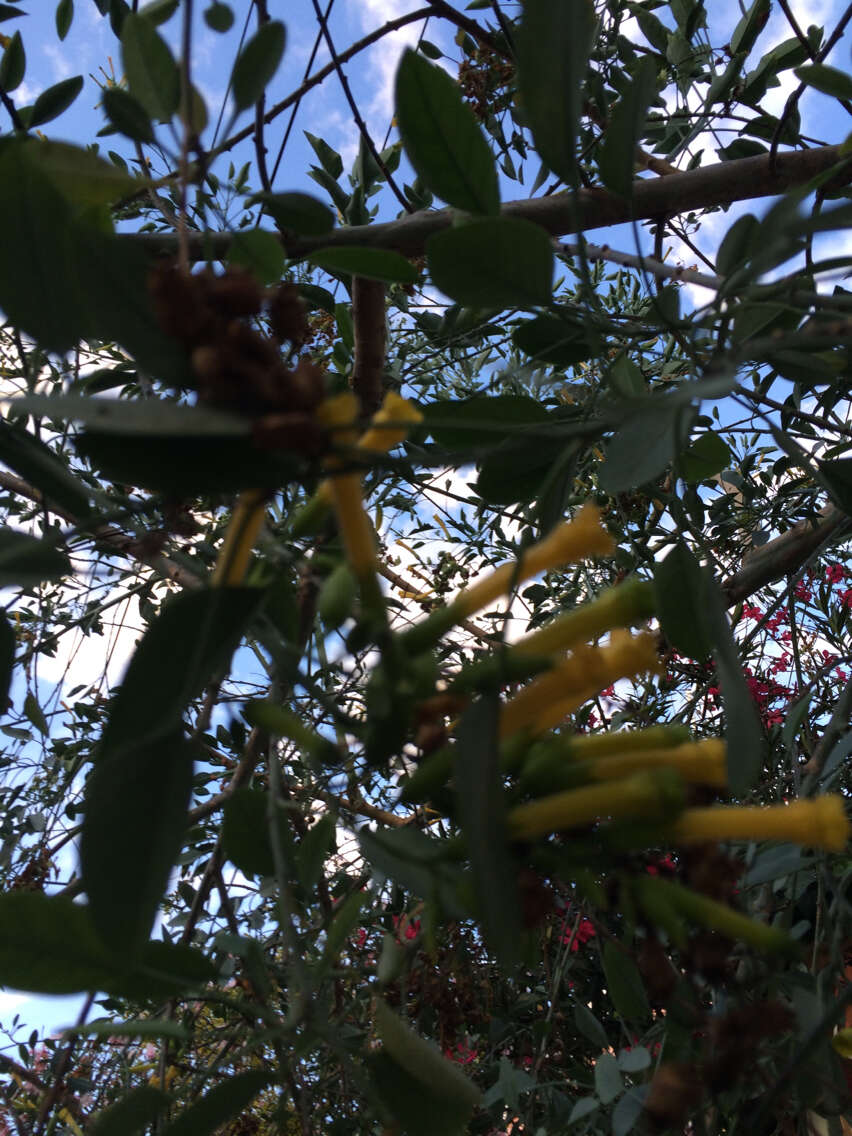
point(52, 102)
point(127, 114)
point(13, 64)
point(708, 455)
point(552, 340)
point(257, 63)
point(617, 153)
point(245, 832)
point(499, 262)
point(219, 17)
point(679, 587)
point(423, 1091)
point(826, 79)
point(26, 561)
point(837, 476)
point(64, 16)
point(139, 1108)
point(624, 985)
point(442, 138)
point(211, 1111)
point(641, 449)
point(482, 421)
point(482, 814)
point(7, 660)
point(554, 44)
point(38, 466)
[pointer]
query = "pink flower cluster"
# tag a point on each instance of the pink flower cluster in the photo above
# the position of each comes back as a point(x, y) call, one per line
point(585, 931)
point(461, 1053)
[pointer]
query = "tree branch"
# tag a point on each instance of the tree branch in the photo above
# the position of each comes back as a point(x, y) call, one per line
point(705, 188)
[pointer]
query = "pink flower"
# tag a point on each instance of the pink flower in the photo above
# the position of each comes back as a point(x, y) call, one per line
point(752, 612)
point(834, 573)
point(802, 591)
point(585, 931)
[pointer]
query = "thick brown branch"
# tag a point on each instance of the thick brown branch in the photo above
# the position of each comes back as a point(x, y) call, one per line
point(704, 188)
point(368, 325)
point(783, 555)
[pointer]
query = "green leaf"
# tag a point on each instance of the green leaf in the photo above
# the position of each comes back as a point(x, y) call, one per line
point(7, 660)
point(188, 465)
point(837, 477)
point(313, 850)
point(298, 212)
point(138, 1109)
point(159, 11)
point(219, 17)
point(127, 114)
point(589, 1026)
point(442, 138)
point(617, 153)
point(26, 561)
point(628, 1110)
point(330, 160)
point(142, 1028)
point(826, 79)
point(245, 832)
point(10, 11)
point(135, 810)
point(189, 642)
point(679, 587)
point(554, 44)
point(482, 814)
point(257, 63)
point(624, 985)
point(151, 71)
point(608, 1082)
point(34, 714)
point(82, 177)
point(641, 449)
point(48, 945)
point(229, 1099)
point(143, 768)
point(424, 1092)
point(553, 340)
point(707, 456)
point(583, 1107)
point(481, 422)
point(157, 416)
point(737, 245)
point(750, 27)
point(743, 732)
point(370, 263)
point(260, 251)
point(13, 64)
point(416, 861)
point(56, 99)
point(38, 465)
point(64, 16)
point(494, 263)
point(634, 1060)
point(346, 916)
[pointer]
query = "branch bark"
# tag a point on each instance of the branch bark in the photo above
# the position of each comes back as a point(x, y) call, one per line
point(783, 555)
point(708, 187)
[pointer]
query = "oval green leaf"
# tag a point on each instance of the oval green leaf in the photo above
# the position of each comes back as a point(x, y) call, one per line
point(442, 138)
point(151, 71)
point(257, 63)
point(52, 102)
point(370, 263)
point(499, 262)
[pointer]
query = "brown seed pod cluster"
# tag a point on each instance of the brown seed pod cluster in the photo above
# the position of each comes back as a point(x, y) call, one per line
point(236, 366)
point(486, 81)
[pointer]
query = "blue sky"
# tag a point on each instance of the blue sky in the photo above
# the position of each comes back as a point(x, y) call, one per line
point(91, 50)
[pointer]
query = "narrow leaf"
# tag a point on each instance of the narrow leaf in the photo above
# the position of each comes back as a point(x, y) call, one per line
point(64, 16)
point(13, 64)
point(133, 1113)
point(555, 42)
point(442, 138)
point(371, 263)
point(231, 1098)
point(482, 810)
point(151, 71)
point(617, 154)
point(38, 466)
point(7, 660)
point(624, 985)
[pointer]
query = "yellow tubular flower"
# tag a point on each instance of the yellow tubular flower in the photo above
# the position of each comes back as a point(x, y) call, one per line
point(620, 606)
point(380, 437)
point(818, 823)
point(648, 796)
point(389, 425)
point(356, 530)
point(542, 703)
point(245, 524)
point(589, 746)
point(569, 542)
point(700, 763)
